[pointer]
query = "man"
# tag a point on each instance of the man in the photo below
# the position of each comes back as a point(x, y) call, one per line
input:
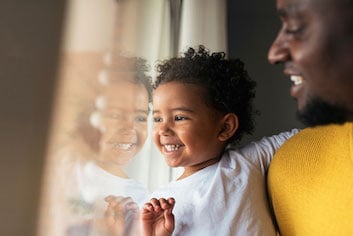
point(310, 179)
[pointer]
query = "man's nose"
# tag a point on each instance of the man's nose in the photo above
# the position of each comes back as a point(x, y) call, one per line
point(279, 51)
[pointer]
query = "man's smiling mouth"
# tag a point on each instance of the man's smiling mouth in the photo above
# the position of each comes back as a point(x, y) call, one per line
point(296, 79)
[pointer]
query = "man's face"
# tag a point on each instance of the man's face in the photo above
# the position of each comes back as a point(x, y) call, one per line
point(315, 45)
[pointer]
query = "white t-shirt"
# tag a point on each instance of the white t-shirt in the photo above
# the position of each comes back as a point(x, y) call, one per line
point(229, 197)
point(89, 185)
point(95, 183)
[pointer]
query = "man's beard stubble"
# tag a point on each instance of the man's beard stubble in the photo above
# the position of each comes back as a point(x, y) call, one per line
point(319, 112)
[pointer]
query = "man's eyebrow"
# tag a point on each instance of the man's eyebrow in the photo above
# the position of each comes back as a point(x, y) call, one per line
point(282, 12)
point(288, 11)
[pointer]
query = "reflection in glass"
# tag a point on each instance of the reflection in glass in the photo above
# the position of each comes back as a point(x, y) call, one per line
point(99, 124)
point(108, 135)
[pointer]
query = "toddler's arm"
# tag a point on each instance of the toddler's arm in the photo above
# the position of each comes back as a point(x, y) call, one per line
point(262, 151)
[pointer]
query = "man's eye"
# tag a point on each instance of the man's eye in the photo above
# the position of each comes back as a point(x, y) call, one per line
point(178, 118)
point(157, 119)
point(294, 31)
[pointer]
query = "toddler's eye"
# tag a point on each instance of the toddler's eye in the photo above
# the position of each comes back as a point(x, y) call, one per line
point(157, 119)
point(140, 118)
point(178, 118)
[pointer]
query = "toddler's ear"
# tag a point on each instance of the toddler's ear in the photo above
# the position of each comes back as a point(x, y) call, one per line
point(229, 127)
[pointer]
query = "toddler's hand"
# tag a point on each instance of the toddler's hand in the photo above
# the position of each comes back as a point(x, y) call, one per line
point(157, 217)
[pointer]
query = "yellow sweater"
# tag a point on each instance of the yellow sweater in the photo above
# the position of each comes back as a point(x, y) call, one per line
point(310, 182)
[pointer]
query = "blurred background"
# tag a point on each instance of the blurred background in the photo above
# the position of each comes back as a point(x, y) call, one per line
point(52, 54)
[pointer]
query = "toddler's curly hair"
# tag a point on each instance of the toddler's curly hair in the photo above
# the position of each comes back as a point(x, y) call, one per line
point(228, 87)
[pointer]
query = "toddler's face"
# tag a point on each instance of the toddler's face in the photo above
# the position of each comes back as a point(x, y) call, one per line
point(185, 129)
point(123, 111)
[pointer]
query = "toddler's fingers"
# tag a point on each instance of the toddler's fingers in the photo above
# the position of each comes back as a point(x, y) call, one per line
point(125, 200)
point(147, 207)
point(129, 204)
point(111, 199)
point(169, 220)
point(164, 204)
point(156, 204)
point(167, 204)
point(171, 202)
point(108, 198)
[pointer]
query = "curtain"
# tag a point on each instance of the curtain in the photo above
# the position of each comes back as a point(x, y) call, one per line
point(204, 22)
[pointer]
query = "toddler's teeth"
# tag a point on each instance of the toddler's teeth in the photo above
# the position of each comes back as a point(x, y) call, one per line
point(124, 146)
point(172, 147)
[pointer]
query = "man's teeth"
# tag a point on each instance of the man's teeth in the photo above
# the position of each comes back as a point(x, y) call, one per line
point(296, 79)
point(172, 147)
point(124, 146)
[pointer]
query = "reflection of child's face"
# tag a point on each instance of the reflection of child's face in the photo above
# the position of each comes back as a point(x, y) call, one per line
point(123, 110)
point(185, 129)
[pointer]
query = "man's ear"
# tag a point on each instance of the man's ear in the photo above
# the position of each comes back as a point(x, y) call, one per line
point(229, 126)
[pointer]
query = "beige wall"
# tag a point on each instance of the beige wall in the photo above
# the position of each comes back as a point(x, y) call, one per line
point(29, 40)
